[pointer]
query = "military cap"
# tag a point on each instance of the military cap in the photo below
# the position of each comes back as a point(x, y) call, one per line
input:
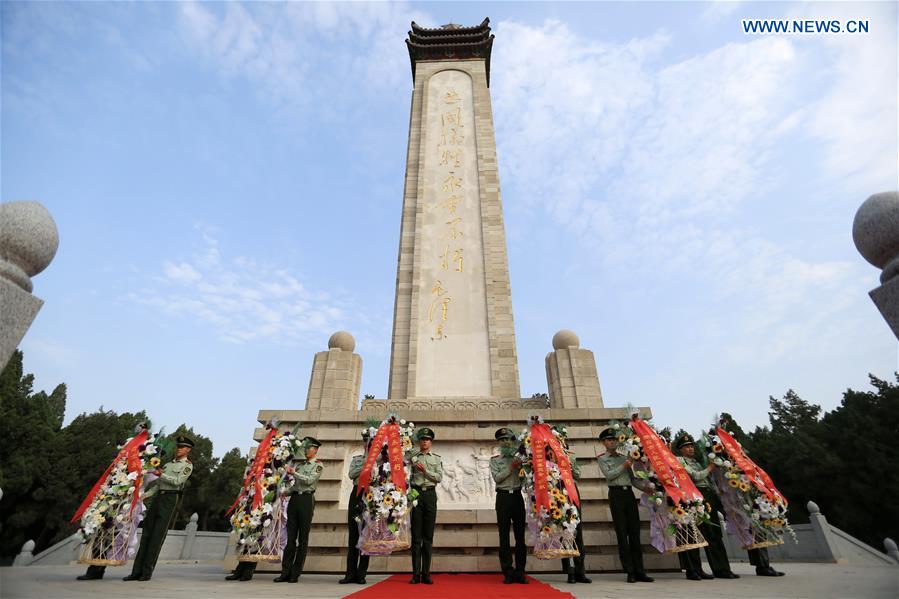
point(683, 441)
point(504, 433)
point(608, 433)
point(311, 442)
point(184, 441)
point(424, 433)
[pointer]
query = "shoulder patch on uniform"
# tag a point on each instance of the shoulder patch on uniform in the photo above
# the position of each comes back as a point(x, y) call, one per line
point(186, 470)
point(319, 467)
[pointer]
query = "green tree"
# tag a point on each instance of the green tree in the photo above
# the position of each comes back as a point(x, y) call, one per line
point(221, 489)
point(860, 437)
point(29, 422)
point(791, 451)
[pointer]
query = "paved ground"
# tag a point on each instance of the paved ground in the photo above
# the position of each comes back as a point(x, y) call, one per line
point(200, 581)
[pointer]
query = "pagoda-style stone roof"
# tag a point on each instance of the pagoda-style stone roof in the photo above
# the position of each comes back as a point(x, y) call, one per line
point(450, 42)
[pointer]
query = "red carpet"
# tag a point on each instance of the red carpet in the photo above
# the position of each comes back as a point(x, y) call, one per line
point(459, 586)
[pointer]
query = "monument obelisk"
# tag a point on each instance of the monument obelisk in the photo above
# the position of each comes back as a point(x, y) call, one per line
point(453, 334)
point(453, 360)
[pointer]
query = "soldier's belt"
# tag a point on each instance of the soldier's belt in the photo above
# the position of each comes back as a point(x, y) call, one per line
point(302, 493)
point(510, 491)
point(169, 491)
point(420, 488)
point(622, 487)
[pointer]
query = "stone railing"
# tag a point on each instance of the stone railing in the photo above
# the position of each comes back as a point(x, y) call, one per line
point(819, 541)
point(188, 545)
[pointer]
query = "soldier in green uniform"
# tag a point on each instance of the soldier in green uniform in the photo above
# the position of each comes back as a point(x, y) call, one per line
point(300, 508)
point(505, 469)
point(577, 572)
point(167, 488)
point(427, 471)
point(715, 550)
point(356, 562)
point(625, 515)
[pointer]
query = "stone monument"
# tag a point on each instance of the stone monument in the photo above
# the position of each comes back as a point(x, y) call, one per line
point(454, 364)
point(28, 243)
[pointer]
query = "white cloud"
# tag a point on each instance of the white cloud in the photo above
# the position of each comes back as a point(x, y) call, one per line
point(244, 300)
point(351, 47)
point(654, 166)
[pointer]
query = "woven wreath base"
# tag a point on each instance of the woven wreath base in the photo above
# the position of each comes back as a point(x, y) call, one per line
point(260, 557)
point(555, 553)
point(101, 562)
point(687, 537)
point(763, 537)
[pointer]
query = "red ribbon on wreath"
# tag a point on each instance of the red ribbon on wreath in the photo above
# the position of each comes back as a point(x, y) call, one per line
point(130, 452)
point(254, 477)
point(672, 474)
point(388, 433)
point(755, 473)
point(541, 437)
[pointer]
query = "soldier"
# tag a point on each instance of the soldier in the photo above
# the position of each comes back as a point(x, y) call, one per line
point(300, 508)
point(578, 571)
point(168, 488)
point(625, 515)
point(715, 551)
point(505, 470)
point(356, 562)
point(427, 471)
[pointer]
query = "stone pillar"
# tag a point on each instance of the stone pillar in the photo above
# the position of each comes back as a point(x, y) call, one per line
point(825, 541)
point(336, 377)
point(875, 231)
point(26, 555)
point(891, 549)
point(190, 536)
point(28, 242)
point(571, 374)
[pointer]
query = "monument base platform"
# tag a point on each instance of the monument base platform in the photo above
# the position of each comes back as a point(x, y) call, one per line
point(466, 539)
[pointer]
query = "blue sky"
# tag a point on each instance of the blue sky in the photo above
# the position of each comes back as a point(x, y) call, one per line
point(227, 183)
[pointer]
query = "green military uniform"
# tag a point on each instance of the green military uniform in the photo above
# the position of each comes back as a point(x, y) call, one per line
point(578, 573)
point(715, 551)
point(424, 515)
point(509, 510)
point(300, 509)
point(356, 562)
point(167, 490)
point(625, 515)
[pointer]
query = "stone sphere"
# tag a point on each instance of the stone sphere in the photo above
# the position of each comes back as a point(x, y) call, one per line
point(28, 236)
point(565, 339)
point(875, 231)
point(343, 341)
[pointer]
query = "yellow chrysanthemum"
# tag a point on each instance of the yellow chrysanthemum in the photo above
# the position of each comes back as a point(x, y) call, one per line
point(154, 461)
point(388, 499)
point(527, 440)
point(557, 514)
point(744, 487)
point(369, 496)
point(733, 483)
point(717, 448)
point(547, 529)
point(679, 512)
point(622, 438)
point(635, 454)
